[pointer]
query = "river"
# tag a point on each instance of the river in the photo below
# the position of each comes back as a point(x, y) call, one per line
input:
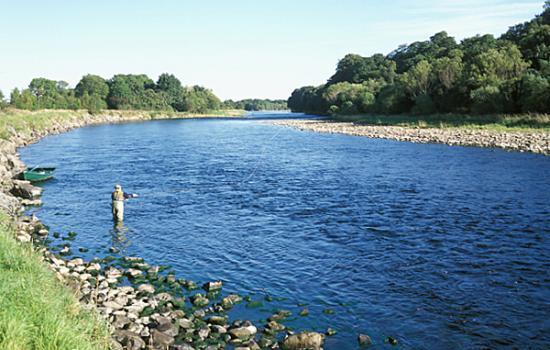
point(439, 247)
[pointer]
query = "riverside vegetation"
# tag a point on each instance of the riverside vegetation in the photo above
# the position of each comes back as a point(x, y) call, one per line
point(128, 92)
point(36, 311)
point(117, 302)
point(480, 75)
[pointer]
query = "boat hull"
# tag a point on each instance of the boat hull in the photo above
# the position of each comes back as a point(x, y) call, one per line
point(37, 175)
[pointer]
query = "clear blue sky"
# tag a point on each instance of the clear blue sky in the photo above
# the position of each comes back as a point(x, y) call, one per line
point(238, 48)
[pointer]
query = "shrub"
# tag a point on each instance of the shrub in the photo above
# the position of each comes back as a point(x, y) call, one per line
point(487, 99)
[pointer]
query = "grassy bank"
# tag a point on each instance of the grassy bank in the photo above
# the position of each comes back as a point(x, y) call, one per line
point(36, 310)
point(24, 122)
point(522, 122)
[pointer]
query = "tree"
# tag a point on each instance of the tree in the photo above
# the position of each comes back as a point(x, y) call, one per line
point(23, 100)
point(407, 56)
point(338, 95)
point(357, 69)
point(92, 85)
point(256, 104)
point(41, 87)
point(120, 93)
point(474, 46)
point(392, 99)
point(535, 96)
point(418, 80)
point(535, 45)
point(198, 99)
point(495, 71)
point(308, 99)
point(487, 99)
point(61, 86)
point(171, 86)
point(128, 91)
point(3, 103)
point(14, 96)
point(448, 70)
point(92, 91)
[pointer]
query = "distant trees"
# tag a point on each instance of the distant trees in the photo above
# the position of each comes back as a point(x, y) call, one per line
point(122, 91)
point(256, 104)
point(92, 91)
point(44, 94)
point(171, 88)
point(482, 74)
point(197, 99)
point(3, 103)
point(134, 91)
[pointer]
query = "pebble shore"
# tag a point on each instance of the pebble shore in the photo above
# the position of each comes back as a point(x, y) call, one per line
point(535, 142)
point(146, 308)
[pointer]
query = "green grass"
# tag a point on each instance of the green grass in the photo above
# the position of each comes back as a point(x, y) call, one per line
point(36, 310)
point(520, 122)
point(25, 122)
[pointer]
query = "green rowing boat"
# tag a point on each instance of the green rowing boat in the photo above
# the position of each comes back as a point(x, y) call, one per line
point(37, 174)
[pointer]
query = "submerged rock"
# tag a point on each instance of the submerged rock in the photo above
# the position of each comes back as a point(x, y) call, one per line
point(391, 340)
point(306, 340)
point(199, 300)
point(274, 327)
point(217, 320)
point(364, 340)
point(230, 300)
point(212, 286)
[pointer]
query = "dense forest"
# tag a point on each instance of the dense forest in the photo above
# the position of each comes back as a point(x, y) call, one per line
point(120, 92)
point(479, 75)
point(256, 105)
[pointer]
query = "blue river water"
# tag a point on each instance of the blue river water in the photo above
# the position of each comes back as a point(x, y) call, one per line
point(439, 247)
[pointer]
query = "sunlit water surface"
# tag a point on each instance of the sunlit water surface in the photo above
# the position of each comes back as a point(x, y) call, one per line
point(440, 247)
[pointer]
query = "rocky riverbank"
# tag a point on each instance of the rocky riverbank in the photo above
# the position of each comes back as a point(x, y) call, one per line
point(145, 307)
point(148, 309)
point(536, 142)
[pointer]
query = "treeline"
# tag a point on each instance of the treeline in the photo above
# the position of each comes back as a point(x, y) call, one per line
point(480, 75)
point(256, 105)
point(3, 103)
point(123, 91)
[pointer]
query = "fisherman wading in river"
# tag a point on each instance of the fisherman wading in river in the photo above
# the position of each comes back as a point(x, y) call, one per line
point(118, 197)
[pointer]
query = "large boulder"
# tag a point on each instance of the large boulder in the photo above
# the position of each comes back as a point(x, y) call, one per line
point(161, 339)
point(8, 204)
point(25, 190)
point(243, 332)
point(129, 340)
point(306, 340)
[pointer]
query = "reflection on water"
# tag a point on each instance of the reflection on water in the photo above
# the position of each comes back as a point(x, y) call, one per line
point(121, 237)
point(441, 247)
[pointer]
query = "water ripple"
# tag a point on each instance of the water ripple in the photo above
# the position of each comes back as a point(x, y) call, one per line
point(441, 247)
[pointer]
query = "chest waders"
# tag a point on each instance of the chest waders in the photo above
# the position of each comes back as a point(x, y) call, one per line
point(118, 205)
